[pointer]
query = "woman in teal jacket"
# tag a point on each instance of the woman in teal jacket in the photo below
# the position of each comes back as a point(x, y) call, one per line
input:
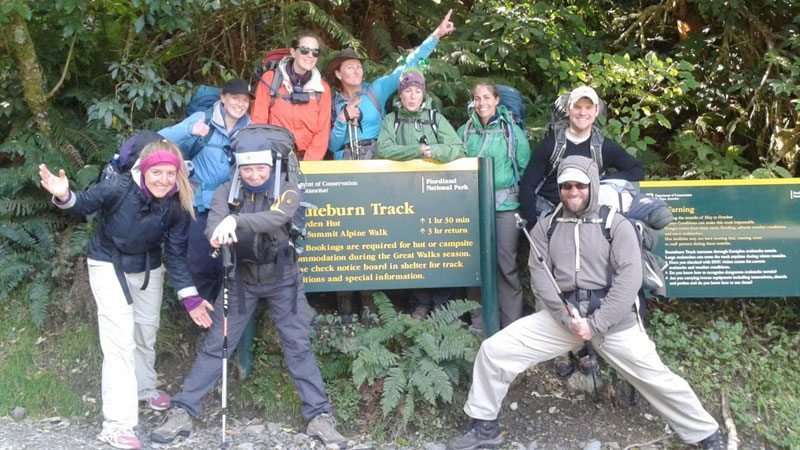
point(416, 130)
point(490, 132)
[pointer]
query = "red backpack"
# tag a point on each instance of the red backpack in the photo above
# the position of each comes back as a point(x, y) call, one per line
point(270, 62)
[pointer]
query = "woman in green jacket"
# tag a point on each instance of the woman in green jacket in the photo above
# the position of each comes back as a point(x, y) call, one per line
point(416, 130)
point(490, 132)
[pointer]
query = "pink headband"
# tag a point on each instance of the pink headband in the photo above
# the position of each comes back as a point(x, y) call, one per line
point(160, 158)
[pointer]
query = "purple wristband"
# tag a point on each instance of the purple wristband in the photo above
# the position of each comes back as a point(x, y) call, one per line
point(191, 302)
point(59, 202)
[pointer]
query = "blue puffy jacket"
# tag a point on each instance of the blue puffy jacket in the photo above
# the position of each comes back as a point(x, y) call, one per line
point(211, 166)
point(137, 227)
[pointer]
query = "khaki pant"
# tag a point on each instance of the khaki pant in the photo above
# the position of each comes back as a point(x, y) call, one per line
point(538, 337)
point(128, 338)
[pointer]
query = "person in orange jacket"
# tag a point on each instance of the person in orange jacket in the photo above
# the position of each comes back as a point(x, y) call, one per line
point(301, 101)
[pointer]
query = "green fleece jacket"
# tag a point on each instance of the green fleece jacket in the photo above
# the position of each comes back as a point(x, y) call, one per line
point(404, 144)
point(490, 141)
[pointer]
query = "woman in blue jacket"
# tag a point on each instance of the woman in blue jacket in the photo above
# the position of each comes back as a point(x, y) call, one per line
point(359, 106)
point(211, 169)
point(136, 212)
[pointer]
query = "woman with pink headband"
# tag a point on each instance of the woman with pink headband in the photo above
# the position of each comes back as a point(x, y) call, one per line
point(136, 212)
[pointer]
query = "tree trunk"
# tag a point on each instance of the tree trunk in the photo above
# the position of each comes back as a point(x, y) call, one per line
point(30, 73)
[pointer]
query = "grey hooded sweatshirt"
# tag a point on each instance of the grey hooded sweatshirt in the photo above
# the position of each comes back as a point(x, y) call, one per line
point(580, 257)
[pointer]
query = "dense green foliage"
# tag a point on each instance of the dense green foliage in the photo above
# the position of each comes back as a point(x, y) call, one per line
point(754, 366)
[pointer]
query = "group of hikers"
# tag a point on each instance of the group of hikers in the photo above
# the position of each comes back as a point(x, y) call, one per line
point(181, 195)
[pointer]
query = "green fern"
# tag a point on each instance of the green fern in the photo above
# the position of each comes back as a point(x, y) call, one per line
point(394, 388)
point(39, 297)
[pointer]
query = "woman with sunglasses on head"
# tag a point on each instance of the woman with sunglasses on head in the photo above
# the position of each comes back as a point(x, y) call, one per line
point(295, 96)
point(137, 214)
point(490, 132)
point(359, 107)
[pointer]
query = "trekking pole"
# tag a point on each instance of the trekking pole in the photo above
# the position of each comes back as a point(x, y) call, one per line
point(226, 263)
point(355, 146)
point(521, 224)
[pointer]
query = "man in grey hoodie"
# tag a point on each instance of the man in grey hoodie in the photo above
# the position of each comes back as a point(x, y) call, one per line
point(600, 280)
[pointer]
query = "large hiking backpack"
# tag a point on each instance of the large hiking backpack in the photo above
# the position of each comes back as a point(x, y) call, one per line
point(125, 158)
point(648, 214)
point(281, 142)
point(512, 100)
point(270, 63)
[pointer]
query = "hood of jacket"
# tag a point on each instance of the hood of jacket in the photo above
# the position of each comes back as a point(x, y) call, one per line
point(587, 166)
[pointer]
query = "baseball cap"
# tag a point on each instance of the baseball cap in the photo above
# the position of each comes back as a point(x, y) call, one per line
point(581, 92)
point(236, 86)
point(573, 174)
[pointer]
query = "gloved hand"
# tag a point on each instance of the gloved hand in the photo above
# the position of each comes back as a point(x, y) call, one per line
point(225, 233)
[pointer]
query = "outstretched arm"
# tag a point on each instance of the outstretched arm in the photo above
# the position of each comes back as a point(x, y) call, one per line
point(58, 186)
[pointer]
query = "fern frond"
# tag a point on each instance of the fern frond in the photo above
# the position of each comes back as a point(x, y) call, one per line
point(15, 233)
point(394, 386)
point(39, 297)
point(371, 362)
point(409, 406)
point(13, 270)
point(431, 381)
point(22, 206)
point(42, 235)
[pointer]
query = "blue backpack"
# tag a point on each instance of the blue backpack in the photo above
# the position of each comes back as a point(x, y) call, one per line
point(512, 100)
point(203, 100)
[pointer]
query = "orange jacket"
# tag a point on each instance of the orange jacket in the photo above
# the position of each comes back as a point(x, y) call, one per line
point(310, 122)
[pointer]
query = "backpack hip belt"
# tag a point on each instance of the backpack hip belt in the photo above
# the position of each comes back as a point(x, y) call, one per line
point(586, 301)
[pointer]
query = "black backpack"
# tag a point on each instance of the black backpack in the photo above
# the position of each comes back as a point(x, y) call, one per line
point(281, 142)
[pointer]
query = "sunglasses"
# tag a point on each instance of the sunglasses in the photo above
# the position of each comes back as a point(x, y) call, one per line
point(305, 50)
point(569, 186)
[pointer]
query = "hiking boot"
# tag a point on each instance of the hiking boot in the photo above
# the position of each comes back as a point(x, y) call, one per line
point(564, 366)
point(323, 427)
point(177, 422)
point(588, 365)
point(120, 438)
point(159, 401)
point(479, 434)
point(420, 313)
point(714, 442)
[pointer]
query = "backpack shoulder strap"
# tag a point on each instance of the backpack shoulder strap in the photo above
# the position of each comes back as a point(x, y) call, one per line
point(432, 118)
point(607, 214)
point(596, 148)
point(559, 147)
point(373, 97)
point(551, 226)
point(468, 129)
point(512, 150)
